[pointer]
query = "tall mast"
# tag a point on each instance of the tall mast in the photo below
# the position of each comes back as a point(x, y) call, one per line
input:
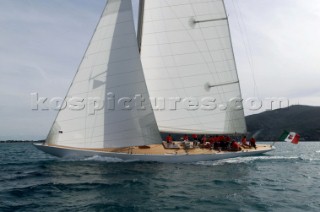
point(140, 23)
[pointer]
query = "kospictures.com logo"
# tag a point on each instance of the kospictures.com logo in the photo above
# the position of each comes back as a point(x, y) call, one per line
point(138, 102)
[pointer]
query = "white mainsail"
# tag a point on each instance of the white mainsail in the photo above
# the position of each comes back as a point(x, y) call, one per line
point(111, 69)
point(186, 51)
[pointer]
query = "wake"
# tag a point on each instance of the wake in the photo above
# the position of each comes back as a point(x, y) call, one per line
point(246, 160)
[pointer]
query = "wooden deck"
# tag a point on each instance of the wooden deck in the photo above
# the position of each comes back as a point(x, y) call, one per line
point(159, 149)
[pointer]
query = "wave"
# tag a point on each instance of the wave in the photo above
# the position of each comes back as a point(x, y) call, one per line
point(103, 159)
point(108, 159)
point(236, 160)
point(246, 160)
point(96, 158)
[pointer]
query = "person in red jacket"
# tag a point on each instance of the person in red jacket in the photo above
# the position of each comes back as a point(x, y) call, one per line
point(204, 139)
point(185, 138)
point(211, 140)
point(235, 146)
point(244, 141)
point(195, 137)
point(169, 139)
point(228, 139)
point(253, 142)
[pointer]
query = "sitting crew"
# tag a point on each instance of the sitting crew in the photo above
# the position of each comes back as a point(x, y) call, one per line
point(211, 140)
point(253, 143)
point(227, 144)
point(204, 140)
point(244, 142)
point(195, 139)
point(235, 146)
point(228, 139)
point(169, 139)
point(185, 138)
point(223, 145)
point(207, 145)
point(216, 145)
point(221, 138)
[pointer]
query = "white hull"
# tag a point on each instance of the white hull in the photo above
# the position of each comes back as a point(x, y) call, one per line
point(165, 158)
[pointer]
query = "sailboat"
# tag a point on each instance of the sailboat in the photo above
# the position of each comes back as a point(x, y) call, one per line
point(181, 49)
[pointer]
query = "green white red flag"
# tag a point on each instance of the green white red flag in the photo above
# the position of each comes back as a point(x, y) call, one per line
point(291, 137)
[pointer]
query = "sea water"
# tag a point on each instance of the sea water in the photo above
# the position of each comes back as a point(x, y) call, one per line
point(287, 179)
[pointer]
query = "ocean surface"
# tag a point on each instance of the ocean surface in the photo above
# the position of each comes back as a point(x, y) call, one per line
point(287, 179)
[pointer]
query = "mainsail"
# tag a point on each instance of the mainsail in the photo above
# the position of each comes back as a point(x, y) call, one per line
point(111, 69)
point(186, 51)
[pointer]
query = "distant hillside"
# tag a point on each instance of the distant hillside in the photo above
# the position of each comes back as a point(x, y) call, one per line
point(304, 120)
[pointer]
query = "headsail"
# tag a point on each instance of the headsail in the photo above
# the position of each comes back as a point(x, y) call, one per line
point(186, 51)
point(111, 69)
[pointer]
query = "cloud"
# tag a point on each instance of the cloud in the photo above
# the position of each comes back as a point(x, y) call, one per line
point(42, 43)
point(283, 42)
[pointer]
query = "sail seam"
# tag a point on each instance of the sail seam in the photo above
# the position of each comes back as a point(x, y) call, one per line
point(213, 121)
point(176, 5)
point(106, 72)
point(169, 89)
point(103, 26)
point(192, 53)
point(99, 52)
point(192, 64)
point(181, 30)
point(111, 38)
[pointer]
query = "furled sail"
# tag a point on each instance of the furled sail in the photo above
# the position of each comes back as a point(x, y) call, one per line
point(186, 51)
point(109, 80)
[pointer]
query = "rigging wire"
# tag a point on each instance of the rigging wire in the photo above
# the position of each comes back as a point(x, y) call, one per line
point(248, 48)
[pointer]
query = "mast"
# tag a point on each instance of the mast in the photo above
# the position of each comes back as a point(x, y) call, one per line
point(236, 68)
point(140, 23)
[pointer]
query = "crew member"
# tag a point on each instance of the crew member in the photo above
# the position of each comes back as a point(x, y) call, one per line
point(244, 141)
point(204, 139)
point(185, 138)
point(169, 139)
point(235, 146)
point(253, 142)
point(195, 137)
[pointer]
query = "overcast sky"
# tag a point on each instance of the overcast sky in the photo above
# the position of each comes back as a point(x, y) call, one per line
point(276, 43)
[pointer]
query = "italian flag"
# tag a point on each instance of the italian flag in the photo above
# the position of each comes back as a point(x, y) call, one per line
point(291, 137)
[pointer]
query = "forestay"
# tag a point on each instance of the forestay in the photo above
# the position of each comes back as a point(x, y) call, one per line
point(186, 52)
point(111, 69)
